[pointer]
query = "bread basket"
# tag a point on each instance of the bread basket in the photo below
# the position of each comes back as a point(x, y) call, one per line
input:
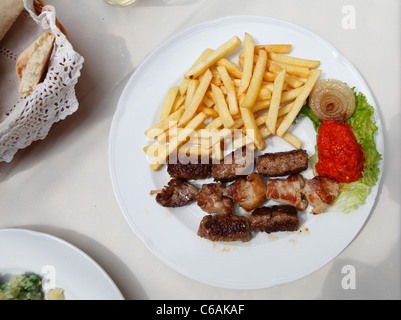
point(25, 120)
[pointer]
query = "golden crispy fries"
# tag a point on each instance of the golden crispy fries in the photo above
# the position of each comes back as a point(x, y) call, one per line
point(197, 98)
point(275, 102)
point(231, 67)
point(210, 112)
point(185, 81)
point(179, 101)
point(299, 71)
point(230, 87)
point(252, 128)
point(256, 82)
point(162, 126)
point(181, 138)
point(169, 103)
point(219, 53)
point(299, 103)
point(191, 89)
point(249, 51)
point(278, 48)
point(292, 140)
point(222, 107)
point(311, 64)
point(218, 100)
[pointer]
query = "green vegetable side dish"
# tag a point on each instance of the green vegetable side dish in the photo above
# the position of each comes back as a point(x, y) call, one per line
point(364, 128)
point(22, 287)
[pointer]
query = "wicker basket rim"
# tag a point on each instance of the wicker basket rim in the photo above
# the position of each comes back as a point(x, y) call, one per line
point(40, 6)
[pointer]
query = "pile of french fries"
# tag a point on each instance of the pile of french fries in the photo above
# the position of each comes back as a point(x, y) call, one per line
point(218, 99)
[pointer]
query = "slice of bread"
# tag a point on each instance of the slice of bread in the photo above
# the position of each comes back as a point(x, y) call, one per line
point(10, 10)
point(32, 63)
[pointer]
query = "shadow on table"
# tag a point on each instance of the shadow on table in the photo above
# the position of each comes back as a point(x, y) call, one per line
point(120, 274)
point(355, 280)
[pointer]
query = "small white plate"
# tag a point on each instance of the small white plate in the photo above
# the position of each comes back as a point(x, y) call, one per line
point(171, 234)
point(59, 263)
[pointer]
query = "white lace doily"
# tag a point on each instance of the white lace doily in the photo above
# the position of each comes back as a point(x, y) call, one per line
point(23, 121)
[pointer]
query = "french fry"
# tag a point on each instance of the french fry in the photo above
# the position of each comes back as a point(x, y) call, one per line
point(278, 48)
point(271, 120)
point(184, 83)
point(299, 102)
point(291, 94)
point(179, 101)
point(249, 51)
point(219, 53)
point(197, 98)
point(264, 94)
point(162, 126)
point(210, 112)
point(310, 64)
point(292, 140)
point(222, 107)
point(231, 67)
point(168, 103)
point(230, 87)
point(299, 71)
point(181, 138)
point(252, 128)
point(256, 82)
point(193, 84)
point(194, 151)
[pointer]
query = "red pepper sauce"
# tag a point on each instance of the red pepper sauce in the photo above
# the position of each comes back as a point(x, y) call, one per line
point(340, 155)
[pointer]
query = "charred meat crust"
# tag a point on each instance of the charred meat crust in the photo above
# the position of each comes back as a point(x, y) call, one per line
point(275, 219)
point(193, 170)
point(238, 163)
point(282, 163)
point(225, 228)
point(177, 193)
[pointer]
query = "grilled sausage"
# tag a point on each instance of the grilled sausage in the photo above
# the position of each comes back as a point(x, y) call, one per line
point(193, 170)
point(275, 219)
point(239, 163)
point(282, 163)
point(225, 228)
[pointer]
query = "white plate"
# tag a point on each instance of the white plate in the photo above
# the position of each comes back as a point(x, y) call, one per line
point(59, 262)
point(171, 234)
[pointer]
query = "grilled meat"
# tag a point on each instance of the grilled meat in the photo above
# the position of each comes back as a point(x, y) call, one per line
point(225, 228)
point(275, 219)
point(193, 170)
point(249, 192)
point(282, 163)
point(239, 163)
point(321, 193)
point(211, 200)
point(287, 191)
point(177, 193)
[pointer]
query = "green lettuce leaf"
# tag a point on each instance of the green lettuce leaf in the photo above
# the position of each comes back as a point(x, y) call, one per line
point(364, 127)
point(353, 196)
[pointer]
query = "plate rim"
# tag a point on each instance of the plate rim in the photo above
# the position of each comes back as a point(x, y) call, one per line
point(209, 23)
point(22, 232)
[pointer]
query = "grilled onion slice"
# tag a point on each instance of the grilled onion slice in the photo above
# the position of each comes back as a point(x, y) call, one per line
point(332, 99)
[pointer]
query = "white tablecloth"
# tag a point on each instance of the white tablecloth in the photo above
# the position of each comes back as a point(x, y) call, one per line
point(62, 185)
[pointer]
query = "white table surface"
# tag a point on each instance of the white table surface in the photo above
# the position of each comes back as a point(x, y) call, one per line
point(62, 186)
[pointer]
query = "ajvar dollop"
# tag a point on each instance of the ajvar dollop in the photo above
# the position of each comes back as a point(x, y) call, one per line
point(340, 155)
